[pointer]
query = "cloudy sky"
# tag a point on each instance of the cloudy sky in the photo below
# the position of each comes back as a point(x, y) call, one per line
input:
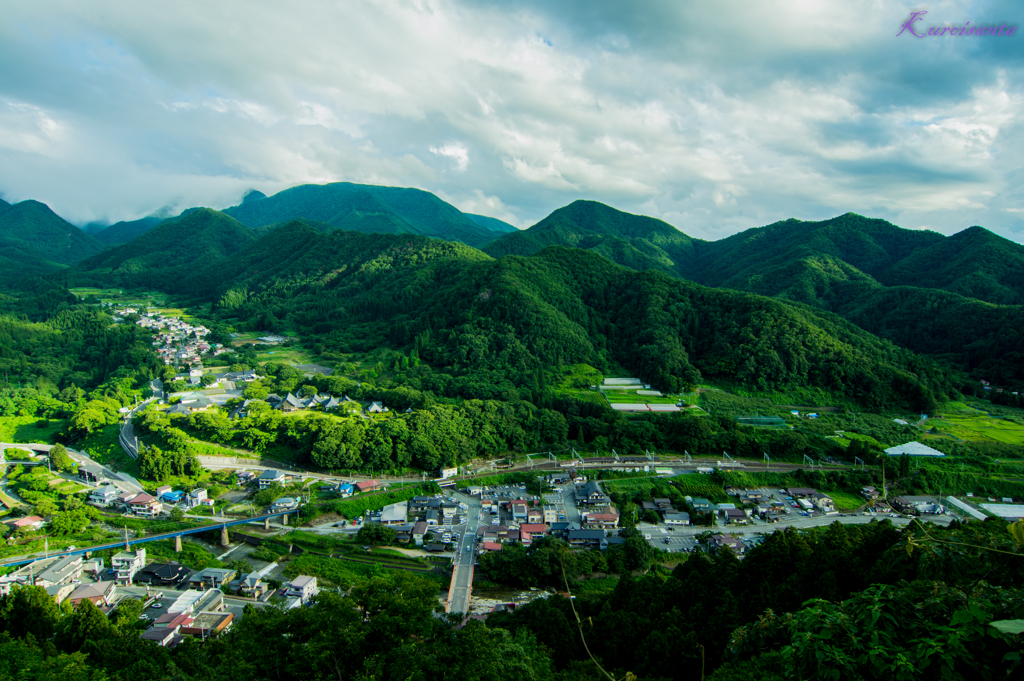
point(714, 116)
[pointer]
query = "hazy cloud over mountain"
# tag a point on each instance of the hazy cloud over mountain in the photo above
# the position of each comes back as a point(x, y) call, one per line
point(715, 117)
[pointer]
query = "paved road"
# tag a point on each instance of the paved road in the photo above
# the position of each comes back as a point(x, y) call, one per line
point(461, 587)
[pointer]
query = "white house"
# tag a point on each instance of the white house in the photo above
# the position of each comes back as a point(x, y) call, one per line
point(127, 564)
point(302, 587)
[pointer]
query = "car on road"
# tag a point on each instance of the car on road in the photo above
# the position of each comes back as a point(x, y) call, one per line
point(157, 606)
point(468, 548)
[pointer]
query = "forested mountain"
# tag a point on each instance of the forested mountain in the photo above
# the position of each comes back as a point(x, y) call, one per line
point(492, 224)
point(364, 208)
point(862, 269)
point(125, 231)
point(34, 228)
point(634, 241)
point(169, 253)
point(473, 315)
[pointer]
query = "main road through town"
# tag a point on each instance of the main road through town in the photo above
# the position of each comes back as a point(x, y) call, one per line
point(462, 573)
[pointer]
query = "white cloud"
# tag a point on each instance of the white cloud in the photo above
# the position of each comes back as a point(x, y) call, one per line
point(455, 152)
point(719, 116)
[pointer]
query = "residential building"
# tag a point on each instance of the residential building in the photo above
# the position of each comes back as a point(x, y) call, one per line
point(394, 514)
point(144, 505)
point(100, 593)
point(677, 518)
point(104, 496)
point(284, 504)
point(196, 497)
point(211, 578)
point(590, 494)
point(586, 538)
point(271, 477)
point(252, 586)
point(207, 624)
point(604, 521)
point(127, 564)
point(162, 574)
point(345, 490)
point(90, 473)
point(419, 530)
point(729, 541)
point(31, 522)
point(368, 485)
point(61, 570)
point(302, 587)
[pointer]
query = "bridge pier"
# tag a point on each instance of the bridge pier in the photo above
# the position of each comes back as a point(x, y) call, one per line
point(284, 519)
point(224, 541)
point(177, 544)
point(266, 524)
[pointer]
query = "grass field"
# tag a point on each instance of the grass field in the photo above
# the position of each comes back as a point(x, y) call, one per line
point(845, 501)
point(975, 426)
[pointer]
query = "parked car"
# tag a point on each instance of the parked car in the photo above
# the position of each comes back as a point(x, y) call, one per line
point(157, 606)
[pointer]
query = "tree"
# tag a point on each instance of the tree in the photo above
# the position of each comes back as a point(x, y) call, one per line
point(126, 617)
point(177, 514)
point(207, 379)
point(29, 610)
point(59, 458)
point(375, 533)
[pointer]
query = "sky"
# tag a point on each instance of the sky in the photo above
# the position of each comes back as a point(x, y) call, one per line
point(713, 116)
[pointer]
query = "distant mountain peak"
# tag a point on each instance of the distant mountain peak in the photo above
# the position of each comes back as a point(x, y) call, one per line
point(253, 195)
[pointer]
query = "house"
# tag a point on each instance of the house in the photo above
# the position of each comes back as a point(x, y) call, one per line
point(196, 497)
point(302, 587)
point(823, 503)
point(432, 517)
point(519, 510)
point(376, 408)
point(100, 593)
point(89, 473)
point(700, 505)
point(271, 477)
point(869, 492)
point(534, 528)
point(210, 578)
point(450, 509)
point(32, 522)
point(252, 586)
point(143, 505)
point(605, 521)
point(104, 496)
point(284, 504)
point(162, 636)
point(586, 538)
point(127, 564)
point(490, 546)
point(728, 541)
point(173, 496)
point(162, 574)
point(534, 515)
point(394, 514)
point(290, 403)
point(663, 504)
point(550, 514)
point(677, 518)
point(802, 492)
point(244, 477)
point(734, 516)
point(207, 624)
point(419, 530)
point(590, 494)
point(345, 490)
point(368, 485)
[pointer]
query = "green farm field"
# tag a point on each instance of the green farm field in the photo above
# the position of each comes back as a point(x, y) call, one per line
point(980, 427)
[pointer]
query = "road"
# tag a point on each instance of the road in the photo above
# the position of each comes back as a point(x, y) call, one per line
point(461, 588)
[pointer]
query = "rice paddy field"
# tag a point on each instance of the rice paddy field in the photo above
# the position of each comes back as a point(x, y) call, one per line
point(969, 424)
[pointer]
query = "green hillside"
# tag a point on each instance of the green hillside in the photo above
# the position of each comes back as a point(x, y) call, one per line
point(492, 224)
point(170, 253)
point(365, 208)
point(634, 241)
point(32, 226)
point(475, 316)
point(125, 231)
point(975, 263)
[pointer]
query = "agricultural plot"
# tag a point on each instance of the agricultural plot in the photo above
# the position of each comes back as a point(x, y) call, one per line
point(980, 427)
